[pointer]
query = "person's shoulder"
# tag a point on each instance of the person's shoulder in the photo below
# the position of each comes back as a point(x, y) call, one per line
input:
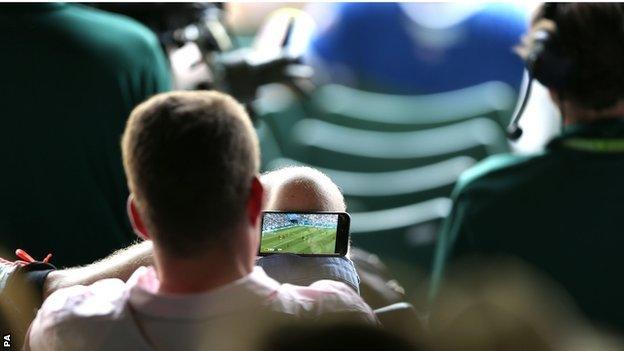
point(102, 298)
point(326, 299)
point(505, 167)
point(110, 28)
point(78, 315)
point(117, 23)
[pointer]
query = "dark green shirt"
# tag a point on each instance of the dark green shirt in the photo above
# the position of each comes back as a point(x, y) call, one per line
point(561, 210)
point(70, 76)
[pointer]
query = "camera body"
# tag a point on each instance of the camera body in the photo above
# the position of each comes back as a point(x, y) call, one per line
point(225, 67)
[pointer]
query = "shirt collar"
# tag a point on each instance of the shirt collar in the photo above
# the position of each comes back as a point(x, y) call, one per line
point(600, 136)
point(251, 290)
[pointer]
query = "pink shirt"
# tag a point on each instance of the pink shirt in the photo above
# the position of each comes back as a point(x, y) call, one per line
point(113, 315)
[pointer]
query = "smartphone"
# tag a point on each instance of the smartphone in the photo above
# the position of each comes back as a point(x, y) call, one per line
point(304, 233)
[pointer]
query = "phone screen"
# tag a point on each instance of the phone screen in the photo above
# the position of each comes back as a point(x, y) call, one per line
point(301, 233)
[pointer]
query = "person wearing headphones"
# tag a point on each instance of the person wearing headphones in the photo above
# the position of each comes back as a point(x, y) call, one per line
point(561, 209)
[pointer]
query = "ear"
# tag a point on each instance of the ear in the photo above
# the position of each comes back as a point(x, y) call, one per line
point(135, 219)
point(254, 203)
point(554, 96)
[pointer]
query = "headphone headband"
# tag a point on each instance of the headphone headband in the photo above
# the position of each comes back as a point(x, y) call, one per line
point(549, 10)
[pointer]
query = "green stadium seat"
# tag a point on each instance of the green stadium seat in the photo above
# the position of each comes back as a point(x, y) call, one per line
point(347, 107)
point(403, 237)
point(328, 145)
point(376, 111)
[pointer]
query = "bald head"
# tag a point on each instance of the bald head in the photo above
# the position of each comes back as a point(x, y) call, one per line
point(301, 189)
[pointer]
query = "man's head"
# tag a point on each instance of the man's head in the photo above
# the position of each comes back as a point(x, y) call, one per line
point(585, 44)
point(191, 159)
point(301, 189)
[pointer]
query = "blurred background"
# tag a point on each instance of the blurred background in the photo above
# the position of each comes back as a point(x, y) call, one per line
point(393, 101)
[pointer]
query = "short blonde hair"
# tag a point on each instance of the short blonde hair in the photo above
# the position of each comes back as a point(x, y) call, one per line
point(190, 158)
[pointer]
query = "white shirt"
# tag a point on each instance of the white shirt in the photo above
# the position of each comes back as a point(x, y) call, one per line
point(113, 315)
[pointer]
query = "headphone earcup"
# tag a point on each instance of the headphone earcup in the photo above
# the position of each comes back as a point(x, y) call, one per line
point(546, 62)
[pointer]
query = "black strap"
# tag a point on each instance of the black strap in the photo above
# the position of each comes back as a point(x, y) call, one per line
point(17, 309)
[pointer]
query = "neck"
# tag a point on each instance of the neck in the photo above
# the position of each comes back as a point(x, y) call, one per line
point(203, 273)
point(573, 113)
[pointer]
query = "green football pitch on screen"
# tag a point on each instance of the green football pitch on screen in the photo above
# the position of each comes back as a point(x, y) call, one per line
point(299, 236)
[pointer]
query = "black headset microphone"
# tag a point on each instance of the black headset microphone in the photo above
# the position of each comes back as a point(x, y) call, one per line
point(514, 131)
point(546, 63)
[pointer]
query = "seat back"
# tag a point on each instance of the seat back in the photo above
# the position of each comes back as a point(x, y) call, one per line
point(404, 238)
point(378, 111)
point(329, 145)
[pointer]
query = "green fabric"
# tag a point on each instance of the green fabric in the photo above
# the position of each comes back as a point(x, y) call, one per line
point(599, 145)
point(561, 210)
point(71, 75)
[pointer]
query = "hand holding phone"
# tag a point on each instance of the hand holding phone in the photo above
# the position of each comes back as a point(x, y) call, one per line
point(304, 233)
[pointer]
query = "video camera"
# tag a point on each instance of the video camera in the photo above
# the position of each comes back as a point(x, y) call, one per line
point(226, 66)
